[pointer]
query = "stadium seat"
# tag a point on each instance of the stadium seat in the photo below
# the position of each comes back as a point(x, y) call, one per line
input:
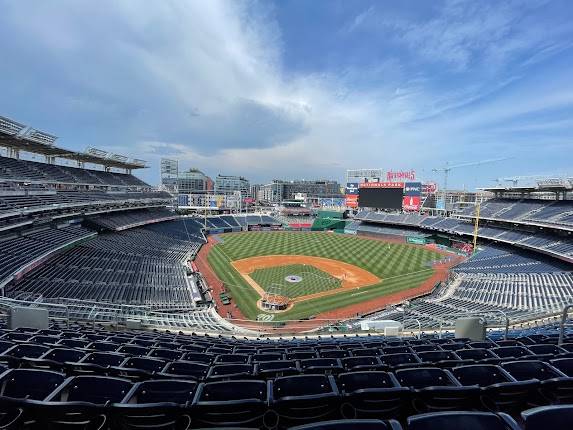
point(161, 391)
point(29, 383)
point(304, 399)
point(401, 360)
point(272, 369)
point(462, 420)
point(372, 394)
point(436, 389)
point(327, 366)
point(236, 403)
point(548, 417)
point(230, 371)
point(362, 363)
point(555, 386)
point(565, 365)
point(499, 390)
point(357, 424)
point(185, 370)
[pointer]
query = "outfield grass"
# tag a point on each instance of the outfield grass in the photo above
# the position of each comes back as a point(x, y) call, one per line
point(400, 266)
point(313, 280)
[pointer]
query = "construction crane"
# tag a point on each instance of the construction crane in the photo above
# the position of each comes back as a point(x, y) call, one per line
point(448, 168)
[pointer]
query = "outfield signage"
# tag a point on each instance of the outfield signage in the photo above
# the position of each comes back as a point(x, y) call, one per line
point(416, 240)
point(382, 185)
point(412, 196)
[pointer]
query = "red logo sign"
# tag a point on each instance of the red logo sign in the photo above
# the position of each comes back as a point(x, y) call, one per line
point(408, 175)
point(411, 203)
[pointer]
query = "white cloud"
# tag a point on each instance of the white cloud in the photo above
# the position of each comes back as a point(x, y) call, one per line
point(203, 81)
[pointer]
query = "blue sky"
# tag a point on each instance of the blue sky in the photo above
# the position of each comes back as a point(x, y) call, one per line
point(298, 89)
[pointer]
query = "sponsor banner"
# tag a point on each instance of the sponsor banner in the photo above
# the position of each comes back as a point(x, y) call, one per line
point(430, 187)
point(411, 203)
point(352, 200)
point(416, 240)
point(351, 188)
point(402, 175)
point(248, 200)
point(412, 188)
point(382, 185)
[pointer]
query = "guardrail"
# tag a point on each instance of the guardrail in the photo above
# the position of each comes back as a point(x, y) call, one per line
point(564, 316)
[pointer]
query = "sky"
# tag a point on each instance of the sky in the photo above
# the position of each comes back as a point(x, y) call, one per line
point(299, 89)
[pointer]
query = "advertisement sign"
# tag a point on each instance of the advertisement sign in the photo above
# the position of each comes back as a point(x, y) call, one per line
point(351, 188)
point(412, 188)
point(382, 185)
point(416, 240)
point(408, 175)
point(352, 200)
point(411, 203)
point(429, 187)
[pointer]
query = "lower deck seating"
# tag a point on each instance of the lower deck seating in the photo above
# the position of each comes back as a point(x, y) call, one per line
point(142, 266)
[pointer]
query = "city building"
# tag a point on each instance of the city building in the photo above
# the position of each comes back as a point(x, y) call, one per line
point(225, 184)
point(192, 181)
point(279, 190)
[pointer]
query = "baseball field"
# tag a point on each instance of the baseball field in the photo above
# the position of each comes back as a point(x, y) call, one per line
point(316, 271)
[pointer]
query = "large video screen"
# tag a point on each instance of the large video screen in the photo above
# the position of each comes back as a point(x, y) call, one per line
point(380, 198)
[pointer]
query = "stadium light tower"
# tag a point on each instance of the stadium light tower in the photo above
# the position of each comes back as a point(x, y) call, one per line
point(448, 168)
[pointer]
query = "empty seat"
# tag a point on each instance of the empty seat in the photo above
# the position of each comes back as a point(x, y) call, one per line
point(357, 424)
point(321, 365)
point(372, 394)
point(161, 391)
point(555, 386)
point(436, 389)
point(548, 417)
point(401, 360)
point(166, 354)
point(99, 390)
point(362, 363)
point(462, 420)
point(230, 371)
point(271, 369)
point(236, 403)
point(304, 398)
point(186, 369)
point(499, 390)
point(511, 351)
point(29, 383)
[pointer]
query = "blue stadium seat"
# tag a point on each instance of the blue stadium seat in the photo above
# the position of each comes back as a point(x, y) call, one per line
point(362, 363)
point(401, 360)
point(357, 424)
point(230, 371)
point(436, 389)
point(272, 369)
point(237, 403)
point(372, 394)
point(304, 399)
point(327, 366)
point(548, 417)
point(186, 369)
point(462, 420)
point(29, 383)
point(499, 390)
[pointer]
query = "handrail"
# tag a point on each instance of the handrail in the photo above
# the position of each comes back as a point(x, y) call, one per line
point(481, 313)
point(562, 324)
point(419, 325)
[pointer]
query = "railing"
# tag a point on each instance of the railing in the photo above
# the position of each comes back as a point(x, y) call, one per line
point(564, 316)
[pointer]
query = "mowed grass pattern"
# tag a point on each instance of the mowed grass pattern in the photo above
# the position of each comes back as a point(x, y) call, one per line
point(400, 266)
point(313, 280)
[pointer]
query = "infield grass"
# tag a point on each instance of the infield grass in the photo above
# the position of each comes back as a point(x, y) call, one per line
point(312, 281)
point(400, 266)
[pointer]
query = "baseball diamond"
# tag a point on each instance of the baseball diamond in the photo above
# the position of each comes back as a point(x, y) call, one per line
point(344, 269)
point(312, 280)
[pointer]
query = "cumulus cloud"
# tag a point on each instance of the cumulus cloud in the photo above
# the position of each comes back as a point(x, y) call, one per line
point(206, 82)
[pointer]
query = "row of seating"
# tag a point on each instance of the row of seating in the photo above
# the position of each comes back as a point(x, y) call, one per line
point(31, 171)
point(137, 266)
